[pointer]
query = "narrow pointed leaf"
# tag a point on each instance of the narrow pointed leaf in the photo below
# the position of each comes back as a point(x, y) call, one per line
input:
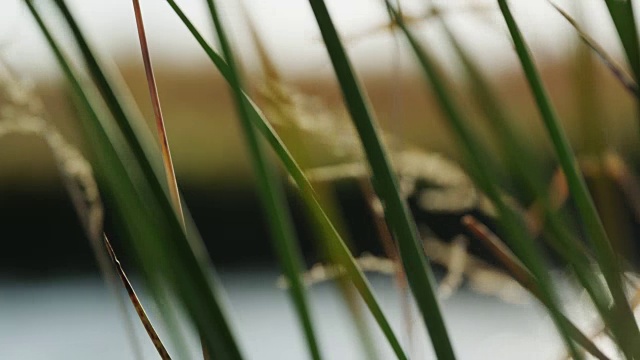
point(419, 275)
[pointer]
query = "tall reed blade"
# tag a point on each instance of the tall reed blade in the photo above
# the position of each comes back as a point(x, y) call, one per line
point(273, 200)
point(419, 275)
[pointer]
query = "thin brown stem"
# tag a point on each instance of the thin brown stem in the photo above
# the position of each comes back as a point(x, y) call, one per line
point(157, 110)
point(162, 133)
point(153, 335)
point(524, 277)
point(502, 253)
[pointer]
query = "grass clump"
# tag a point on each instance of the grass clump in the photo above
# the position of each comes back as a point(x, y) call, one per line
point(136, 177)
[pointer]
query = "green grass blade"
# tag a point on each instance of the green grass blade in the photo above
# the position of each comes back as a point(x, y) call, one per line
point(522, 244)
point(623, 17)
point(522, 163)
point(343, 255)
point(605, 255)
point(151, 223)
point(273, 200)
point(419, 275)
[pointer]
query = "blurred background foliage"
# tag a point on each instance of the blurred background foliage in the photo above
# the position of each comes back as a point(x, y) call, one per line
point(212, 164)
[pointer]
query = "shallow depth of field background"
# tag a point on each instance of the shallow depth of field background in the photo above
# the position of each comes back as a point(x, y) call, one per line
point(53, 304)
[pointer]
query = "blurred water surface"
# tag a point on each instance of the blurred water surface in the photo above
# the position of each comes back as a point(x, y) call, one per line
point(77, 318)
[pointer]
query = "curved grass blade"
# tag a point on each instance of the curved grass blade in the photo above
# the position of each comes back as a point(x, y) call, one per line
point(605, 255)
point(419, 275)
point(151, 223)
point(308, 194)
point(273, 200)
point(520, 241)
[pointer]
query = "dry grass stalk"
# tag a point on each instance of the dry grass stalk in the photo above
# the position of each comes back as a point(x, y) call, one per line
point(157, 110)
point(433, 11)
point(502, 252)
point(524, 277)
point(321, 272)
point(450, 190)
point(287, 107)
point(482, 277)
point(161, 130)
